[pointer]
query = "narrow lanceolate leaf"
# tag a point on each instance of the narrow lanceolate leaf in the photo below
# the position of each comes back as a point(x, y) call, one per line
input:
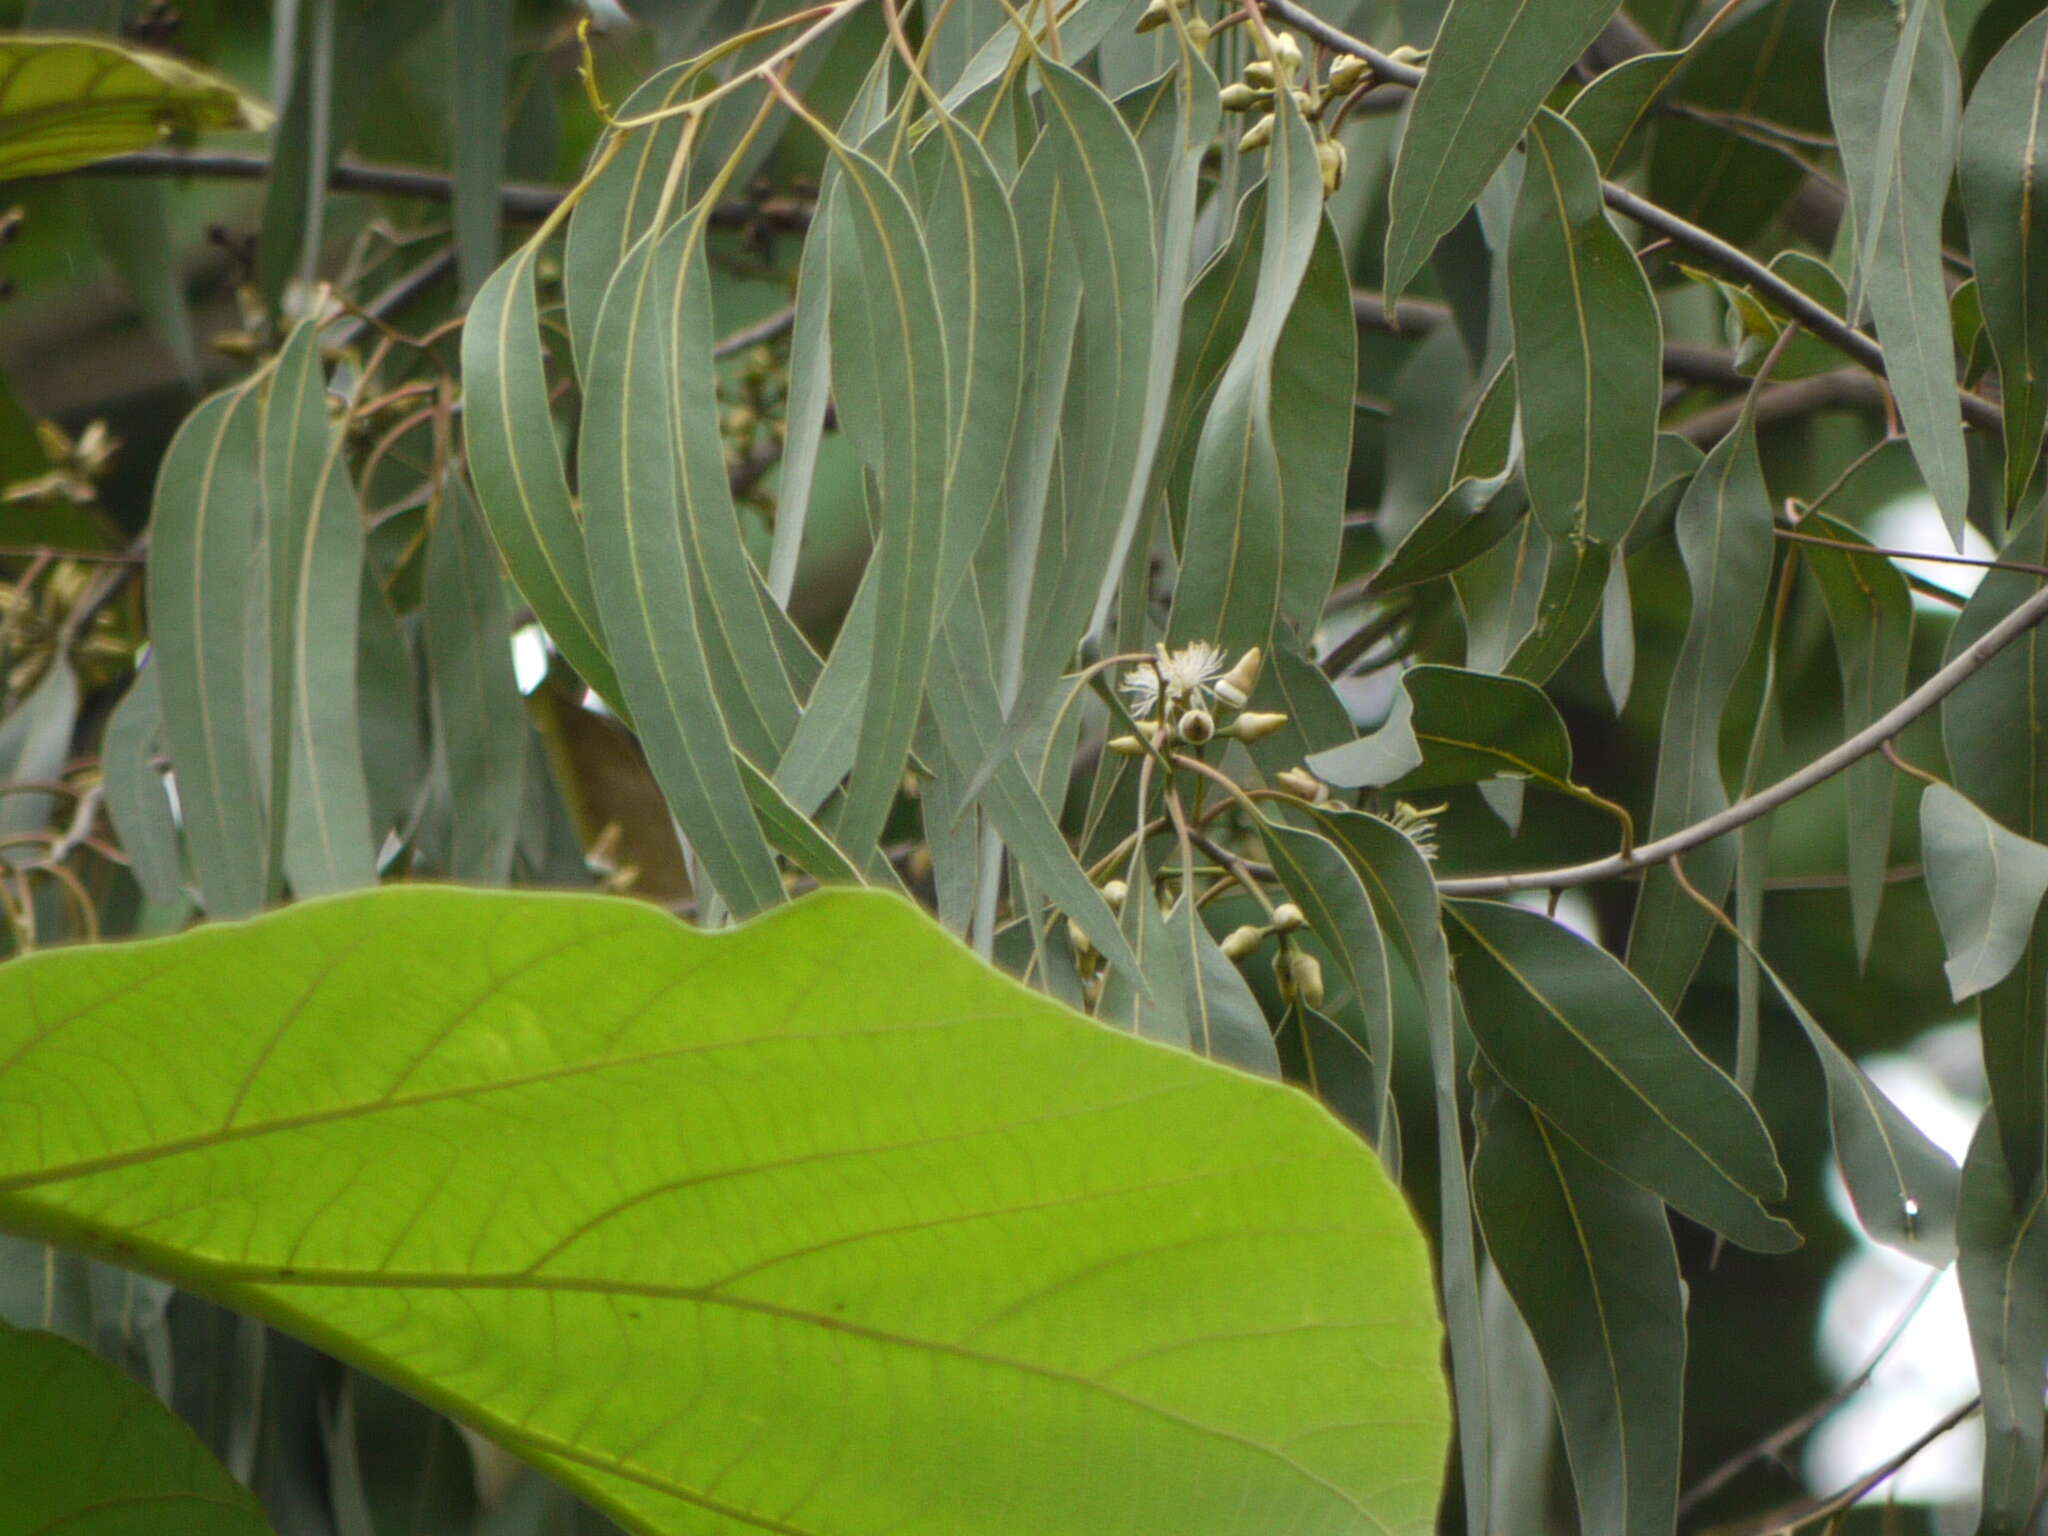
point(1488, 73)
point(1573, 1033)
point(1725, 539)
point(1403, 892)
point(67, 101)
point(89, 1451)
point(1224, 1017)
point(136, 801)
point(1995, 728)
point(641, 583)
point(1607, 112)
point(2002, 1234)
point(1103, 451)
point(1893, 93)
point(35, 744)
point(1234, 545)
point(1588, 346)
point(479, 719)
point(1903, 1186)
point(735, 620)
point(884, 304)
point(1870, 611)
point(209, 496)
point(977, 268)
point(1986, 883)
point(515, 463)
point(2005, 142)
point(328, 843)
point(481, 62)
point(1449, 726)
point(1587, 1257)
point(901, 1230)
point(1320, 880)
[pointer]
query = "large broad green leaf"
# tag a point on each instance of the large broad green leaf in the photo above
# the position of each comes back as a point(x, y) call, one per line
point(817, 1225)
point(1588, 346)
point(1579, 1038)
point(1986, 884)
point(2003, 1268)
point(87, 1451)
point(1724, 536)
point(1588, 1259)
point(1893, 93)
point(1488, 73)
point(67, 101)
point(2005, 139)
point(1449, 726)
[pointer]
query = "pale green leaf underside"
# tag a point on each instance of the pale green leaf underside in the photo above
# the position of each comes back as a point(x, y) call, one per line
point(815, 1226)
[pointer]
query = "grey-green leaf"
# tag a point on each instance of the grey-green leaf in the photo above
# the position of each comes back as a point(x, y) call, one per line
point(1893, 92)
point(2003, 1267)
point(2003, 149)
point(1986, 884)
point(1572, 1032)
point(1588, 345)
point(1450, 726)
point(1724, 536)
point(1588, 1258)
point(208, 499)
point(1488, 73)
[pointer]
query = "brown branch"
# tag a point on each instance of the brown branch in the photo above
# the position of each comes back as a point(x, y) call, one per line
point(1866, 741)
point(1816, 317)
point(522, 202)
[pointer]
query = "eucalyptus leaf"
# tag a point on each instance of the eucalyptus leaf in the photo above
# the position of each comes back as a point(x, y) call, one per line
point(1986, 884)
point(2003, 1269)
point(1585, 1044)
point(1450, 726)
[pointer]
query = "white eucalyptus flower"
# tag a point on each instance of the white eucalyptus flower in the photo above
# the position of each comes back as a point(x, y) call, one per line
point(1188, 672)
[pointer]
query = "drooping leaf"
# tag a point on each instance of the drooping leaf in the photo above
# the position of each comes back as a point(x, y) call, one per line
point(480, 60)
point(1320, 880)
point(1870, 611)
point(1608, 111)
point(136, 802)
point(1995, 730)
point(1588, 346)
point(515, 463)
point(1986, 884)
point(2004, 140)
point(2003, 1268)
point(1725, 539)
point(35, 744)
point(66, 101)
point(1403, 892)
point(1903, 1186)
point(1487, 75)
point(640, 581)
point(1224, 1017)
point(1894, 96)
point(1450, 726)
point(202, 563)
point(479, 719)
point(1572, 1032)
point(596, 1155)
point(1587, 1257)
point(87, 1450)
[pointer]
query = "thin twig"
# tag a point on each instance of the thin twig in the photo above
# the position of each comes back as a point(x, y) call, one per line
point(1866, 741)
point(1808, 1511)
point(1881, 552)
point(1797, 304)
